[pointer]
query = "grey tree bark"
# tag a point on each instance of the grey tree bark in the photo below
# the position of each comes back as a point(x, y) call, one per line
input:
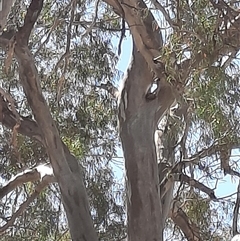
point(138, 122)
point(5, 7)
point(65, 167)
point(138, 118)
point(165, 143)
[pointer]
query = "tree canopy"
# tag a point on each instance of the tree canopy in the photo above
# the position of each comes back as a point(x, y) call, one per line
point(62, 113)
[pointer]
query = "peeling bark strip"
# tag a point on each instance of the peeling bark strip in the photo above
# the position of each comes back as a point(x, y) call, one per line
point(66, 169)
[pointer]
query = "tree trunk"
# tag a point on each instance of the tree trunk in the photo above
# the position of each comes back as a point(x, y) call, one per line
point(66, 168)
point(137, 117)
point(165, 141)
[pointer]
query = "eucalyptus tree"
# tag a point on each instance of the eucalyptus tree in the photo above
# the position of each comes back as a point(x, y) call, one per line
point(83, 113)
point(178, 108)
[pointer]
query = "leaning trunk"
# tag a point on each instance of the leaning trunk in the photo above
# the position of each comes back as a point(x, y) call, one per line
point(66, 168)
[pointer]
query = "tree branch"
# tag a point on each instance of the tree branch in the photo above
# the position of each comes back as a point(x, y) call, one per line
point(31, 17)
point(170, 177)
point(27, 126)
point(4, 12)
point(196, 184)
point(159, 6)
point(137, 127)
point(66, 168)
point(38, 173)
point(45, 181)
point(147, 40)
point(179, 217)
point(66, 55)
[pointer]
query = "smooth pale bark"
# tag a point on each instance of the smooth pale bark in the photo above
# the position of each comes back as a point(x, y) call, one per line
point(31, 129)
point(137, 119)
point(165, 142)
point(66, 169)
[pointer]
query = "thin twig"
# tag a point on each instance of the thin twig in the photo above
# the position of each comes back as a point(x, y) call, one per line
point(55, 24)
point(88, 30)
point(66, 55)
point(164, 12)
point(25, 204)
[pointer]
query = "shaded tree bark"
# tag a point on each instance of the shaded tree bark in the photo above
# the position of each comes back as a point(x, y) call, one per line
point(165, 142)
point(137, 117)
